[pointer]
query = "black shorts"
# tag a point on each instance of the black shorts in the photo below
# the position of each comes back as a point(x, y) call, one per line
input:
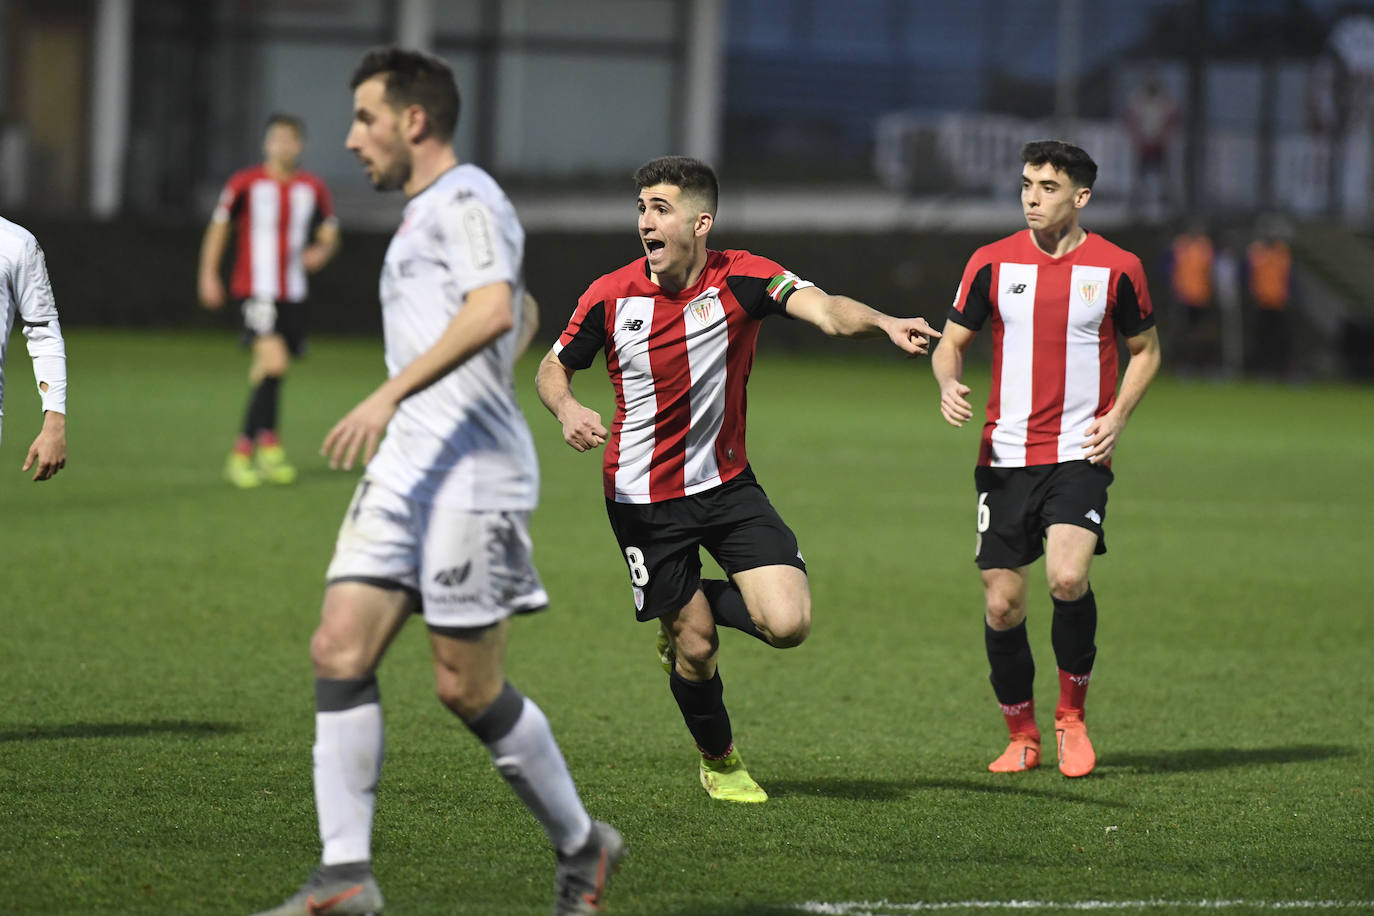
point(264, 316)
point(661, 541)
point(1017, 505)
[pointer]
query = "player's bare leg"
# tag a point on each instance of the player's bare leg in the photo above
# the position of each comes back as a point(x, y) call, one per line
point(696, 686)
point(1012, 666)
point(779, 601)
point(469, 676)
point(357, 623)
point(1068, 557)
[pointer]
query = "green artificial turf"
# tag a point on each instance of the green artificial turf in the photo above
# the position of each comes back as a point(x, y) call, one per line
point(156, 712)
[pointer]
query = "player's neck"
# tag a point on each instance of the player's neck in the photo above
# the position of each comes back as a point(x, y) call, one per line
point(1058, 242)
point(427, 164)
point(674, 282)
point(279, 171)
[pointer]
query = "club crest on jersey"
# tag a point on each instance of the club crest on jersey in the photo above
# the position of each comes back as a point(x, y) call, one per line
point(702, 310)
point(1089, 291)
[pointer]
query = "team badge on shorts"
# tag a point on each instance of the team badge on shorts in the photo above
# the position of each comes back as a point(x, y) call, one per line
point(639, 598)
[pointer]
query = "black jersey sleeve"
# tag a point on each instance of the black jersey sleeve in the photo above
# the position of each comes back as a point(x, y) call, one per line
point(586, 334)
point(973, 302)
point(1133, 312)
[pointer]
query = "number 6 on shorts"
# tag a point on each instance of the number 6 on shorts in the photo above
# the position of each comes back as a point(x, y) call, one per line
point(639, 573)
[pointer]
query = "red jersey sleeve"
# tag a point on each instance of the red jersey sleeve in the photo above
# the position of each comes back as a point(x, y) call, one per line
point(324, 201)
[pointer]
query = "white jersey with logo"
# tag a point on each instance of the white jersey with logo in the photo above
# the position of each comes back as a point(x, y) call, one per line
point(462, 442)
point(26, 293)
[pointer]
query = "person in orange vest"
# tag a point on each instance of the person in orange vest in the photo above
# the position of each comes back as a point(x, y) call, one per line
point(1269, 283)
point(1190, 278)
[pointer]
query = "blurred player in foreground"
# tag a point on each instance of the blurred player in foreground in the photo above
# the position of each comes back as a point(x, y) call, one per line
point(1057, 297)
point(440, 520)
point(679, 328)
point(274, 207)
point(25, 292)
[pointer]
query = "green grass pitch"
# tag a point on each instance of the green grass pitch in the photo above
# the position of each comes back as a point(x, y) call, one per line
point(156, 712)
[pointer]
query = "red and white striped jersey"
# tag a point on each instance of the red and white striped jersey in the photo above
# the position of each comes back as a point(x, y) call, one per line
point(273, 222)
point(679, 364)
point(1054, 348)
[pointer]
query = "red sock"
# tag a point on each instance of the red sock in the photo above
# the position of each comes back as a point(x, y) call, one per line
point(268, 438)
point(243, 446)
point(1021, 719)
point(1073, 692)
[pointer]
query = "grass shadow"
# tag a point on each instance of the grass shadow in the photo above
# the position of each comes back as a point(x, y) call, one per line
point(119, 730)
point(1021, 791)
point(839, 787)
point(1200, 759)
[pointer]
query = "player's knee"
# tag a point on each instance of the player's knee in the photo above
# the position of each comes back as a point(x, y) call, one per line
point(695, 649)
point(789, 629)
point(1067, 585)
point(462, 696)
point(1004, 611)
point(335, 656)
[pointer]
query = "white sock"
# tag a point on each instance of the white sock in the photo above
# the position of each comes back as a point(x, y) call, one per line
point(529, 758)
point(348, 762)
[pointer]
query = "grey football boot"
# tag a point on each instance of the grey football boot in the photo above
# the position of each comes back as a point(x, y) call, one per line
point(582, 876)
point(335, 890)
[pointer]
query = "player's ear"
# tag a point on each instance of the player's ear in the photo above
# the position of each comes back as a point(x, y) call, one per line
point(414, 123)
point(702, 225)
point(1080, 197)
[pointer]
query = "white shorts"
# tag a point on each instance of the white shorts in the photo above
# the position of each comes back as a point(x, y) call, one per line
point(468, 569)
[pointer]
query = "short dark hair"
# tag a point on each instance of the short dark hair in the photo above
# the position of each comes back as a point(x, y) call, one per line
point(284, 119)
point(694, 177)
point(1065, 157)
point(413, 78)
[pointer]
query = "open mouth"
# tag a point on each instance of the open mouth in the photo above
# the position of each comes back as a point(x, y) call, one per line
point(653, 245)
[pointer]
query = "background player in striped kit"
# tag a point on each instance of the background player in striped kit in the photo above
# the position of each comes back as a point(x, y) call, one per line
point(679, 327)
point(1057, 297)
point(274, 205)
point(26, 293)
point(440, 521)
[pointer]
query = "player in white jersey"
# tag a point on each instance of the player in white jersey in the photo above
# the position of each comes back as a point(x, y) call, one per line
point(439, 522)
point(26, 293)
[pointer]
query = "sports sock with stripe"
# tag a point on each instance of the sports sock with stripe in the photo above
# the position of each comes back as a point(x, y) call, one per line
point(522, 747)
point(1073, 634)
point(348, 762)
point(1012, 676)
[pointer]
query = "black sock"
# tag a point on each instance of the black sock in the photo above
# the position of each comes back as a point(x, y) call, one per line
point(1013, 668)
point(727, 607)
point(262, 407)
point(1074, 632)
point(703, 709)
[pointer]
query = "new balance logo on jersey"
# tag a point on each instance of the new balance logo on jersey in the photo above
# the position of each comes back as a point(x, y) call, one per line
point(454, 576)
point(632, 324)
point(1016, 289)
point(1093, 517)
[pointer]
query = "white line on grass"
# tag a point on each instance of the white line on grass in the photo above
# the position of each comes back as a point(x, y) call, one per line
point(886, 908)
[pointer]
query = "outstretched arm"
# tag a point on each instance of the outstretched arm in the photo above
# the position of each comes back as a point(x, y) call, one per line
point(948, 365)
point(582, 427)
point(486, 315)
point(1105, 432)
point(841, 316)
